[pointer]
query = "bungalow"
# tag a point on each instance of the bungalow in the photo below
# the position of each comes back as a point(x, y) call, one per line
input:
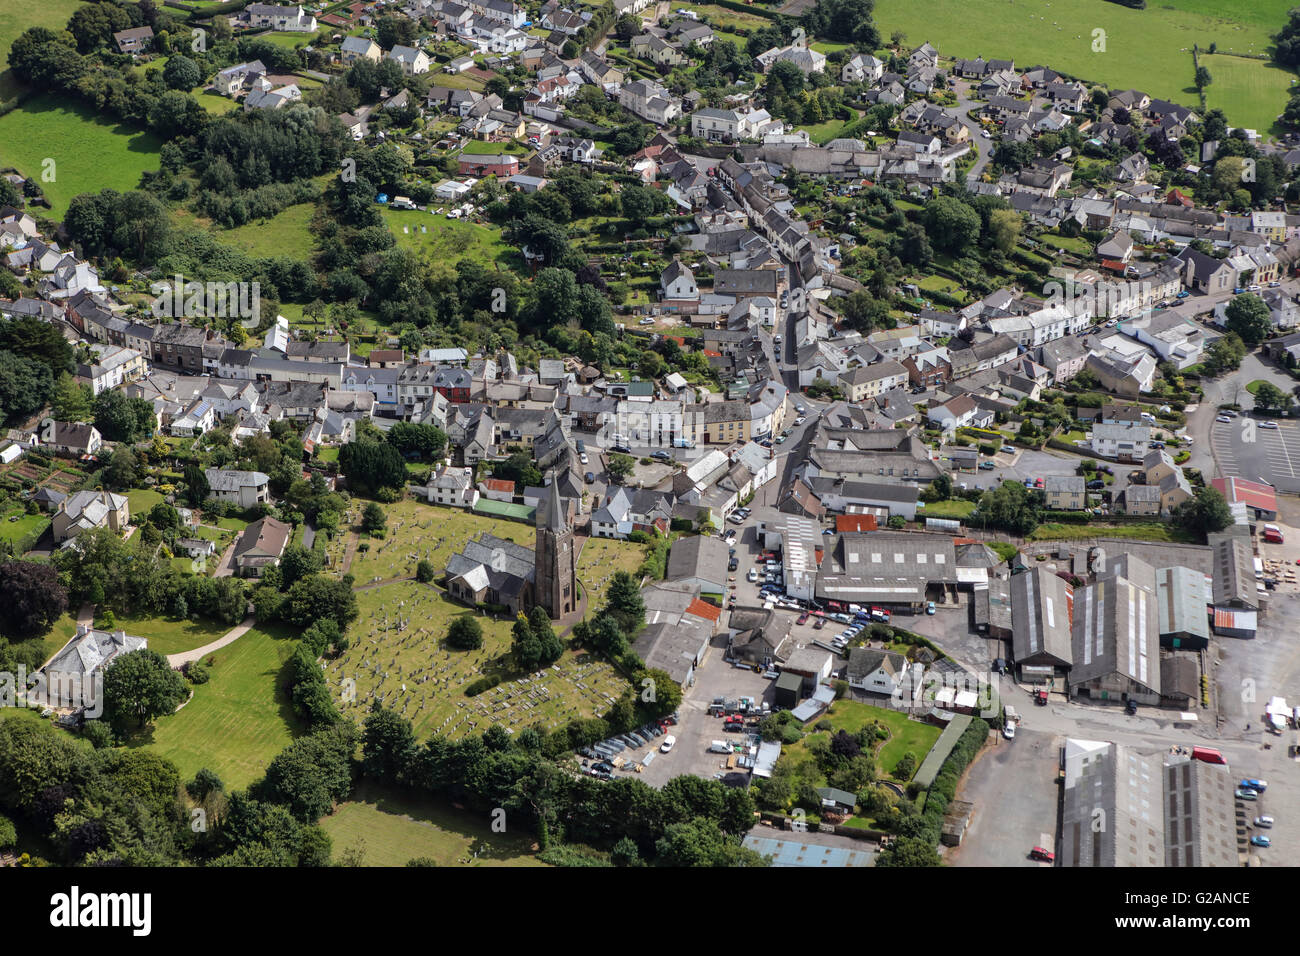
point(877, 672)
point(957, 413)
point(137, 40)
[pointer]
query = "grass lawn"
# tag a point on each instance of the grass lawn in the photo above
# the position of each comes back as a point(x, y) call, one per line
point(599, 559)
point(173, 636)
point(1075, 244)
point(478, 147)
point(19, 17)
point(289, 41)
point(399, 654)
point(721, 16)
point(1250, 92)
point(1253, 387)
point(216, 104)
point(1140, 531)
point(1003, 549)
point(905, 734)
point(447, 241)
point(952, 508)
point(14, 531)
point(393, 827)
point(1146, 49)
point(64, 630)
point(237, 721)
point(89, 153)
point(140, 500)
point(286, 234)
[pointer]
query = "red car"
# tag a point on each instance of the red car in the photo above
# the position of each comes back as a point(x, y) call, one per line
point(820, 623)
point(1039, 853)
point(1038, 482)
point(803, 618)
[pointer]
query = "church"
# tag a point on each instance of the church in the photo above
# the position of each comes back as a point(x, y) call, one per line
point(494, 571)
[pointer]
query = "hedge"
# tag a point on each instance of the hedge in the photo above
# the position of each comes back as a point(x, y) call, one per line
point(945, 784)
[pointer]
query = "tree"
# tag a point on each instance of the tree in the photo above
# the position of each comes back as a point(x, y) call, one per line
point(25, 386)
point(909, 852)
point(140, 686)
point(387, 746)
point(1203, 78)
point(1247, 315)
point(122, 419)
point(423, 442)
point(316, 598)
point(1268, 398)
point(123, 468)
point(71, 402)
point(623, 601)
point(1004, 229)
point(182, 73)
point(424, 571)
point(38, 340)
point(1225, 354)
point(373, 520)
point(1010, 507)
point(371, 465)
point(313, 773)
point(620, 466)
point(465, 633)
point(33, 598)
point(951, 224)
point(1205, 513)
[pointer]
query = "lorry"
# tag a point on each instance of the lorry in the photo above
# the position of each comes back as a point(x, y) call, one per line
point(1273, 534)
point(1208, 755)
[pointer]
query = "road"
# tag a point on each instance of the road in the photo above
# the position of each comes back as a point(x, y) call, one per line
point(983, 147)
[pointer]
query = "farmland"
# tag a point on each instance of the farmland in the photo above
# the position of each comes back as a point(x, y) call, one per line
point(18, 17)
point(88, 153)
point(1250, 92)
point(1146, 49)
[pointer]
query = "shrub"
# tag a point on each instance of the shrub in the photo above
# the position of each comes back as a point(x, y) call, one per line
point(465, 633)
point(424, 571)
point(197, 673)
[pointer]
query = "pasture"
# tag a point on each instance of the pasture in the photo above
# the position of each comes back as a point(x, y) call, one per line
point(50, 136)
point(1251, 93)
point(400, 658)
point(1146, 49)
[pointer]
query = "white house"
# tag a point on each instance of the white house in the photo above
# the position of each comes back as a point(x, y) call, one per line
point(244, 488)
point(411, 60)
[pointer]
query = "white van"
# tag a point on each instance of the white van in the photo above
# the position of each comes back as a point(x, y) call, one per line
point(719, 747)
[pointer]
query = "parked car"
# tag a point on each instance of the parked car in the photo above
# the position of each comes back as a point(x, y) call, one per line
point(1040, 853)
point(803, 618)
point(1131, 707)
point(1008, 449)
point(1009, 731)
point(1252, 784)
point(1224, 419)
point(1268, 424)
point(987, 466)
point(1261, 840)
point(929, 607)
point(1096, 484)
point(667, 745)
point(819, 624)
point(661, 455)
point(752, 576)
point(1247, 794)
point(1264, 822)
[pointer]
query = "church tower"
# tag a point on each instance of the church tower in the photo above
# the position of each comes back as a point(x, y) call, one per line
point(555, 578)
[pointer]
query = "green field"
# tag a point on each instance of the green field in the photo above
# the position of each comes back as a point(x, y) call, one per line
point(1139, 531)
point(237, 721)
point(1146, 49)
point(953, 508)
point(399, 654)
point(447, 241)
point(1251, 93)
point(18, 17)
point(89, 153)
point(286, 234)
point(392, 828)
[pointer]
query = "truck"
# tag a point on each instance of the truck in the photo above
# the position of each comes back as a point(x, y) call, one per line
point(1273, 534)
point(1208, 755)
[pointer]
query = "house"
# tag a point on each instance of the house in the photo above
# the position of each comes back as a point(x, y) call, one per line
point(804, 57)
point(502, 166)
point(74, 439)
point(868, 381)
point(862, 68)
point(650, 101)
point(1126, 442)
point(244, 488)
point(713, 125)
point(89, 509)
point(133, 41)
point(877, 671)
point(1065, 492)
point(260, 546)
point(677, 284)
point(71, 674)
point(200, 416)
point(959, 412)
point(360, 48)
point(412, 61)
point(453, 487)
point(1142, 500)
point(1202, 273)
point(234, 79)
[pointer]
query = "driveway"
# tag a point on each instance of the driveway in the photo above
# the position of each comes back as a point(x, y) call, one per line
point(983, 147)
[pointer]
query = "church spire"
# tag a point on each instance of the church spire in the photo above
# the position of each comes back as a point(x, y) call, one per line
point(551, 515)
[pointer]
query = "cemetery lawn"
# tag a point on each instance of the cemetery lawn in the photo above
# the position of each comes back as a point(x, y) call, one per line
point(393, 827)
point(237, 722)
point(399, 640)
point(597, 562)
point(90, 153)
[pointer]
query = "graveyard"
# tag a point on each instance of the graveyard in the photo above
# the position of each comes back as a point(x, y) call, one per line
point(399, 657)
